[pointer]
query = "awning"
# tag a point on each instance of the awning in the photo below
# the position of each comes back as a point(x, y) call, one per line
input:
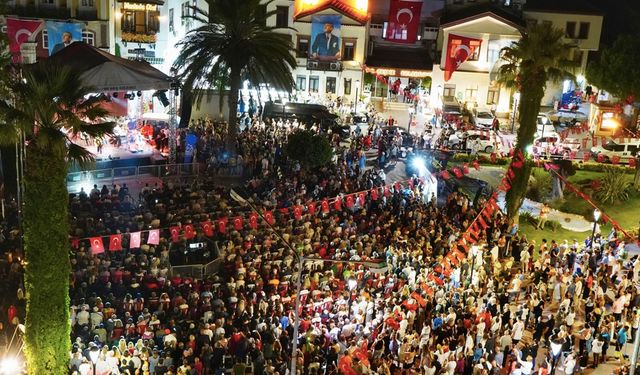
point(399, 61)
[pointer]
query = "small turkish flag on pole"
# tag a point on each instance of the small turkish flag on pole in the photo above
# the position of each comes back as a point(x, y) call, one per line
point(459, 49)
point(189, 233)
point(154, 237)
point(97, 247)
point(253, 220)
point(207, 228)
point(237, 222)
point(134, 240)
point(115, 242)
point(175, 233)
point(222, 225)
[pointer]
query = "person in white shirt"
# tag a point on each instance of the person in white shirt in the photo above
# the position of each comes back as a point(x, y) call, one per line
point(526, 366)
point(518, 330)
point(570, 364)
point(596, 349)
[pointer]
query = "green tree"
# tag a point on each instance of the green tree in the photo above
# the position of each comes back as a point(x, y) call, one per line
point(310, 149)
point(618, 69)
point(49, 105)
point(232, 45)
point(528, 64)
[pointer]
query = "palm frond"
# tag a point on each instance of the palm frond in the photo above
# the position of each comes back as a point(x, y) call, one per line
point(80, 156)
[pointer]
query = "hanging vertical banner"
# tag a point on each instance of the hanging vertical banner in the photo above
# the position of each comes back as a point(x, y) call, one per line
point(459, 49)
point(189, 233)
point(97, 247)
point(154, 237)
point(207, 228)
point(189, 147)
point(20, 31)
point(325, 34)
point(115, 242)
point(134, 240)
point(403, 23)
point(62, 34)
point(253, 220)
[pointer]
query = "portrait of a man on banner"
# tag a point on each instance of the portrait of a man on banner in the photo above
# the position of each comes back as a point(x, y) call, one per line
point(62, 34)
point(325, 34)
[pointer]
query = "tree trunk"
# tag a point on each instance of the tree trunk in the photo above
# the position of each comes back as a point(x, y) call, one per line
point(530, 98)
point(636, 179)
point(47, 270)
point(234, 90)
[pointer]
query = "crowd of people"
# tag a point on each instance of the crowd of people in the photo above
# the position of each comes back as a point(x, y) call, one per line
point(375, 297)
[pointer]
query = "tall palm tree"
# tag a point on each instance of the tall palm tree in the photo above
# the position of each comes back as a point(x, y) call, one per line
point(49, 104)
point(539, 57)
point(234, 44)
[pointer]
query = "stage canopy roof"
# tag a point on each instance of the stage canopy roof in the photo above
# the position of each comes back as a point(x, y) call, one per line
point(106, 72)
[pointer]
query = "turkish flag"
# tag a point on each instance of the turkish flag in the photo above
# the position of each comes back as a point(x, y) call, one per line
point(189, 233)
point(337, 204)
point(20, 31)
point(268, 216)
point(154, 237)
point(615, 159)
point(459, 49)
point(374, 194)
point(175, 233)
point(445, 175)
point(387, 191)
point(75, 242)
point(403, 23)
point(222, 225)
point(207, 228)
point(311, 207)
point(632, 162)
point(476, 165)
point(349, 201)
point(362, 197)
point(237, 222)
point(465, 168)
point(325, 206)
point(297, 212)
point(115, 242)
point(134, 240)
point(97, 247)
point(457, 172)
point(253, 220)
point(397, 187)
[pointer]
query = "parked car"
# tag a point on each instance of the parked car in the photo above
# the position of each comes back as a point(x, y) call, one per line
point(624, 151)
point(566, 117)
point(485, 120)
point(484, 141)
point(308, 113)
point(552, 145)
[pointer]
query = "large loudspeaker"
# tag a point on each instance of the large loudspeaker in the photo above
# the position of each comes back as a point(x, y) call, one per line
point(162, 95)
point(186, 102)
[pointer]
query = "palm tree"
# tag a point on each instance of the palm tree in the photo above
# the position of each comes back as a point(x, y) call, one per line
point(49, 104)
point(539, 57)
point(232, 45)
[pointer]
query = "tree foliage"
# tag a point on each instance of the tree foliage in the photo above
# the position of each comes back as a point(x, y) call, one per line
point(310, 149)
point(618, 69)
point(48, 104)
point(528, 64)
point(233, 45)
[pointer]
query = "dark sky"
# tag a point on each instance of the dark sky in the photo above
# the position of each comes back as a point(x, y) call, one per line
point(621, 17)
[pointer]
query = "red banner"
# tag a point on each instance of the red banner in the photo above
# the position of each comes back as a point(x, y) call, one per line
point(403, 23)
point(175, 233)
point(20, 31)
point(253, 220)
point(459, 50)
point(115, 242)
point(189, 233)
point(97, 247)
point(207, 228)
point(237, 222)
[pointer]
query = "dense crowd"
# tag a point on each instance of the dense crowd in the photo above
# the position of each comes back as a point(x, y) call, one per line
point(403, 313)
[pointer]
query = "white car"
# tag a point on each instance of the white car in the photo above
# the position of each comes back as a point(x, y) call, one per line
point(565, 116)
point(624, 151)
point(482, 141)
point(484, 120)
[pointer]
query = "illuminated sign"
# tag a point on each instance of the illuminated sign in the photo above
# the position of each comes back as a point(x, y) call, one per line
point(414, 73)
point(399, 72)
point(141, 7)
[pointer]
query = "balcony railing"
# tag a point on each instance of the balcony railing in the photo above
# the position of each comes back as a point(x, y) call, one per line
point(32, 11)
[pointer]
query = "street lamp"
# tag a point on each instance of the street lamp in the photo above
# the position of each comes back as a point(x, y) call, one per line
point(516, 101)
point(474, 253)
point(555, 353)
point(596, 217)
point(94, 352)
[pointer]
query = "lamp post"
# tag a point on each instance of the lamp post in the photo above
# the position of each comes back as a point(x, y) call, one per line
point(94, 352)
point(634, 355)
point(516, 101)
point(596, 217)
point(351, 284)
point(411, 111)
point(555, 353)
point(355, 102)
point(474, 253)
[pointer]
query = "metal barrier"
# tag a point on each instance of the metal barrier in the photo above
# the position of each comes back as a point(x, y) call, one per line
point(199, 271)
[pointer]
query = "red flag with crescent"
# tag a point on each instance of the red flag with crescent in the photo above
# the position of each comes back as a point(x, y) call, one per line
point(397, 186)
point(349, 201)
point(222, 225)
point(374, 194)
point(457, 172)
point(362, 197)
point(115, 242)
point(154, 237)
point(337, 204)
point(20, 31)
point(97, 247)
point(189, 233)
point(476, 165)
point(311, 207)
point(207, 228)
point(175, 233)
point(237, 222)
point(324, 206)
point(268, 216)
point(632, 162)
point(387, 191)
point(445, 175)
point(135, 239)
point(75, 242)
point(465, 168)
point(253, 220)
point(297, 212)
point(459, 50)
point(403, 23)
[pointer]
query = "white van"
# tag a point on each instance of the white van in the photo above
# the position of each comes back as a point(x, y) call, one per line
point(625, 151)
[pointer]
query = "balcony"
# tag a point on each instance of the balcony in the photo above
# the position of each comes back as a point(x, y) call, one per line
point(334, 66)
point(86, 14)
point(32, 11)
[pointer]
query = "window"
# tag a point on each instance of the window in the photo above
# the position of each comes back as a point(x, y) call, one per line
point(347, 86)
point(571, 30)
point(531, 22)
point(301, 83)
point(314, 83)
point(89, 37)
point(171, 26)
point(302, 49)
point(282, 16)
point(331, 85)
point(45, 39)
point(47, 2)
point(473, 45)
point(87, 3)
point(547, 23)
point(493, 95)
point(449, 91)
point(348, 49)
point(471, 94)
point(185, 11)
point(140, 21)
point(583, 33)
